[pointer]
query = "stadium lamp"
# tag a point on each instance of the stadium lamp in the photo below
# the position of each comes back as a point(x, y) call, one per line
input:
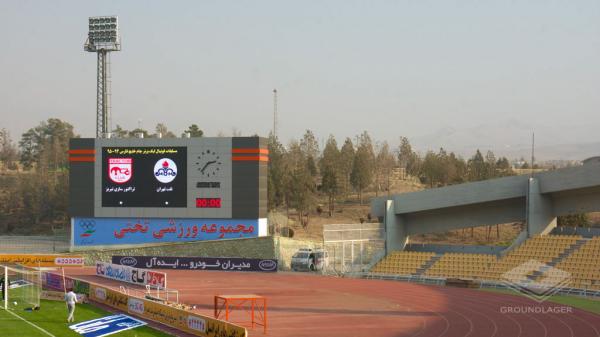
point(103, 34)
point(103, 38)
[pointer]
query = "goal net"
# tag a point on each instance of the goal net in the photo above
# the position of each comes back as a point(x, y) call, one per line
point(21, 287)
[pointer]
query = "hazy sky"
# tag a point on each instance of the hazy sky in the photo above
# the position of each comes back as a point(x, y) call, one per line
point(390, 67)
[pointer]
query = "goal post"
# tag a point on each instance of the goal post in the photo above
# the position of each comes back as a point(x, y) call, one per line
point(22, 287)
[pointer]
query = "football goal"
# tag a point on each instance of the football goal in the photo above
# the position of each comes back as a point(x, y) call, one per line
point(21, 287)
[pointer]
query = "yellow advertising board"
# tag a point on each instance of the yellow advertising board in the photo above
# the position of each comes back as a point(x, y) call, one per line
point(108, 296)
point(60, 296)
point(42, 260)
point(195, 324)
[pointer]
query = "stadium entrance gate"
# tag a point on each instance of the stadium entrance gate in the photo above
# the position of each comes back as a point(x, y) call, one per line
point(353, 248)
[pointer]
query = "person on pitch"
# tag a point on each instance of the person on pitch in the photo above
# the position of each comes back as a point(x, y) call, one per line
point(2, 285)
point(71, 299)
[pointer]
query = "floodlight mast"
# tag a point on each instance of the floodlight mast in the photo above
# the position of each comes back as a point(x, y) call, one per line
point(103, 37)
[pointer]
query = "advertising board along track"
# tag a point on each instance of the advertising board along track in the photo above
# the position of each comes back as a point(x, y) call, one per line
point(197, 263)
point(42, 260)
point(179, 319)
point(131, 275)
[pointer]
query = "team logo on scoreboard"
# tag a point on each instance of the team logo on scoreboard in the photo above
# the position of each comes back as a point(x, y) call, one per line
point(165, 170)
point(120, 170)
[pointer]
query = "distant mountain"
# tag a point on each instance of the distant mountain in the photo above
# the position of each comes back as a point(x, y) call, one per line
point(512, 139)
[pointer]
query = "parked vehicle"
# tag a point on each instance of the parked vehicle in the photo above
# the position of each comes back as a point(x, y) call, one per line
point(306, 259)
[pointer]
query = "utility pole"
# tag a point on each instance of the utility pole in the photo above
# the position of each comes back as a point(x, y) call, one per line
point(275, 113)
point(532, 152)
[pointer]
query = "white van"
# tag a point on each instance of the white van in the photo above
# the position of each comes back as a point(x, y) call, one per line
point(307, 259)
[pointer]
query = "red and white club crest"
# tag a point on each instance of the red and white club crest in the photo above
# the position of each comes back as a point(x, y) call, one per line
point(120, 170)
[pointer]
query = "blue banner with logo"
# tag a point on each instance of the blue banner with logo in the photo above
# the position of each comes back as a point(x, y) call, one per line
point(106, 325)
point(119, 231)
point(197, 263)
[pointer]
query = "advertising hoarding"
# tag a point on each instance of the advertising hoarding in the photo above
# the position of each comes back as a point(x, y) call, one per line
point(42, 260)
point(105, 326)
point(131, 275)
point(118, 231)
point(197, 263)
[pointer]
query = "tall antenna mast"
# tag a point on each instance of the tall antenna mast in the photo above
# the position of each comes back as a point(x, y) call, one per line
point(532, 151)
point(103, 37)
point(275, 112)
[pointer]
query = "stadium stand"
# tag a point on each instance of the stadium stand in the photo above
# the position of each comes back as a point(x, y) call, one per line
point(567, 253)
point(461, 265)
point(402, 262)
point(546, 249)
point(584, 265)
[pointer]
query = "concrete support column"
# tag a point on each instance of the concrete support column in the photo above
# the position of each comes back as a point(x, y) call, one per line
point(541, 218)
point(395, 229)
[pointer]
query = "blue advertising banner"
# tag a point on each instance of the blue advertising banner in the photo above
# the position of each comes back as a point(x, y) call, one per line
point(106, 325)
point(119, 231)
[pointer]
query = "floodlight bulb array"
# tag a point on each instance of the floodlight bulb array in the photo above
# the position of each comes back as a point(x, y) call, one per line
point(103, 30)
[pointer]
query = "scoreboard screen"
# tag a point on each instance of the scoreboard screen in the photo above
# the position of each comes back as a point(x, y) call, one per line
point(168, 178)
point(144, 177)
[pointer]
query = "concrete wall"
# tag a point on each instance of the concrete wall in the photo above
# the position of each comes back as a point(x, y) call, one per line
point(259, 248)
point(585, 232)
point(423, 247)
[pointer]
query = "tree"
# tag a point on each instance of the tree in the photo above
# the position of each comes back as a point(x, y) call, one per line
point(503, 166)
point(50, 137)
point(330, 172)
point(574, 220)
point(476, 167)
point(363, 165)
point(345, 164)
point(407, 158)
point(431, 168)
point(277, 173)
point(162, 131)
point(119, 132)
point(299, 183)
point(384, 164)
point(194, 131)
point(8, 150)
point(138, 131)
point(309, 145)
point(490, 165)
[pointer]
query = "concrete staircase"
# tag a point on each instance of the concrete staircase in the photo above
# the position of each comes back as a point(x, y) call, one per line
point(421, 270)
point(536, 274)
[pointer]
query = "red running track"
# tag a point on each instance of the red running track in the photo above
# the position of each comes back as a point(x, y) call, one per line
point(311, 305)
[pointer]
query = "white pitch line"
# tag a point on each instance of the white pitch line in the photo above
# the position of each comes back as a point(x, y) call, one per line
point(28, 322)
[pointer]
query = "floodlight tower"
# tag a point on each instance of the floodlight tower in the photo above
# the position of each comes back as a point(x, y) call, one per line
point(103, 37)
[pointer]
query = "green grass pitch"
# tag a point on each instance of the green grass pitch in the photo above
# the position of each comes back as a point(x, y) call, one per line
point(52, 317)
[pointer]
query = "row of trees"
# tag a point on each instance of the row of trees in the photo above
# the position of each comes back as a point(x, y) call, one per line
point(300, 173)
point(160, 131)
point(35, 200)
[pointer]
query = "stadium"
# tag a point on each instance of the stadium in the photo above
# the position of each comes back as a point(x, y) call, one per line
point(154, 257)
point(180, 236)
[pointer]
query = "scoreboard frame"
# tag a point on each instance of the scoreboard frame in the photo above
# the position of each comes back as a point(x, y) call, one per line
point(177, 179)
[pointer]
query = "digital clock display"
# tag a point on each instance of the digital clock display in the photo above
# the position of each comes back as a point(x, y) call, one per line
point(208, 202)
